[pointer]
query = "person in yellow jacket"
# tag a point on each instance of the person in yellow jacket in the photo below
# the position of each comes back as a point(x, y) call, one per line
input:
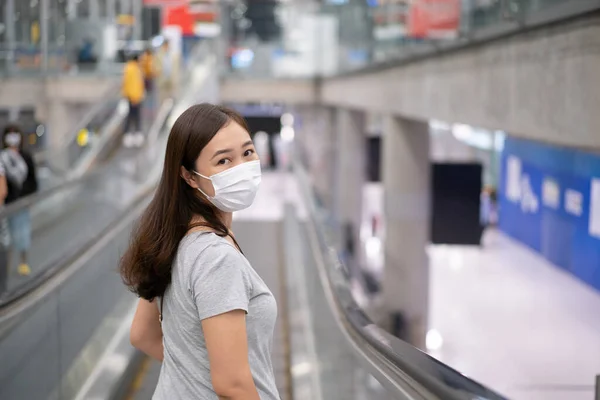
point(148, 65)
point(150, 71)
point(134, 92)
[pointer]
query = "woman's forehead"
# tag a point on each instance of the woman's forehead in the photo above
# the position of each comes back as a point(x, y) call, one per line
point(231, 135)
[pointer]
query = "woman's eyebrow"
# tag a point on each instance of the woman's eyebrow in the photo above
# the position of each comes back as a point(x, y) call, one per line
point(224, 151)
point(219, 152)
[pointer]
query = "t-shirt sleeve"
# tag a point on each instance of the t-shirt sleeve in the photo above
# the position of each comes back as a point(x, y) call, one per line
point(220, 281)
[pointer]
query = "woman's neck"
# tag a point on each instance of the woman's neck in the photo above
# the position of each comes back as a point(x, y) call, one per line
point(226, 218)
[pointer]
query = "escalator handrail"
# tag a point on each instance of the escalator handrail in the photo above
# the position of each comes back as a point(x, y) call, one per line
point(28, 201)
point(32, 293)
point(34, 290)
point(114, 93)
point(388, 356)
point(111, 95)
point(20, 299)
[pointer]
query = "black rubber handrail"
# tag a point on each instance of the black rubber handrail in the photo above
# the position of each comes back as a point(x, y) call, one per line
point(412, 367)
point(112, 94)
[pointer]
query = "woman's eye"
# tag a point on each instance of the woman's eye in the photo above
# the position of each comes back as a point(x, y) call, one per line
point(248, 152)
point(223, 161)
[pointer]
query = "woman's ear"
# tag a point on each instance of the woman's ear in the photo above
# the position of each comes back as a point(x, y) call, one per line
point(188, 177)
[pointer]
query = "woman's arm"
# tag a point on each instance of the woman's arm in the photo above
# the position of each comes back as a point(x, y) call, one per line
point(227, 345)
point(3, 189)
point(146, 332)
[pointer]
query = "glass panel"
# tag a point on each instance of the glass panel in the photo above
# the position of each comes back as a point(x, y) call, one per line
point(90, 308)
point(533, 6)
point(48, 354)
point(297, 40)
point(30, 367)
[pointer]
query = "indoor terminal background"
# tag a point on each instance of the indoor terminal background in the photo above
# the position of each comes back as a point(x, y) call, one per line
point(431, 179)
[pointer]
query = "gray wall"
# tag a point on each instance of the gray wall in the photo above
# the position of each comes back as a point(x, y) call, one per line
point(542, 85)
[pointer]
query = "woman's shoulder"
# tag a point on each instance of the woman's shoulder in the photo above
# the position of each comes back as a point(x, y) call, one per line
point(202, 245)
point(206, 255)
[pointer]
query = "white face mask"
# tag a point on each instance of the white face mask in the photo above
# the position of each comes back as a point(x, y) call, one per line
point(12, 139)
point(235, 188)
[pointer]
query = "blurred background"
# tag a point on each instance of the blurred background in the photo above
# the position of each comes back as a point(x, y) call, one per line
point(429, 217)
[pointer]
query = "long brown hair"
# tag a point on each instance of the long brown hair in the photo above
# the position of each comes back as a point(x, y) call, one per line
point(146, 265)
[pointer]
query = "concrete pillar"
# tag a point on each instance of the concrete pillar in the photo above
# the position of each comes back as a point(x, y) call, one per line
point(324, 143)
point(314, 143)
point(136, 10)
point(350, 173)
point(406, 181)
point(9, 22)
point(111, 12)
point(94, 10)
point(44, 31)
point(61, 118)
point(71, 9)
point(60, 122)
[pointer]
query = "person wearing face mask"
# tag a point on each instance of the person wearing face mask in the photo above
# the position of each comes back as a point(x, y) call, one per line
point(204, 312)
point(21, 181)
point(4, 236)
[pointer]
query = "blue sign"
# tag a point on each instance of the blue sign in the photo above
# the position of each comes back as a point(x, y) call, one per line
point(550, 201)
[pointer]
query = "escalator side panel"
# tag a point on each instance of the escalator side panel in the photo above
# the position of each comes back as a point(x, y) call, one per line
point(55, 347)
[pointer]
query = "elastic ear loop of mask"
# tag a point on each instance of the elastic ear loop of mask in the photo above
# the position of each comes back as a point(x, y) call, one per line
point(205, 177)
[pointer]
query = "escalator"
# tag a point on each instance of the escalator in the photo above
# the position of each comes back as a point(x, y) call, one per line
point(95, 182)
point(57, 324)
point(66, 214)
point(83, 144)
point(344, 354)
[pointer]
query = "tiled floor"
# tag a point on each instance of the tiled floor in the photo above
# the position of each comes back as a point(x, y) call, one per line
point(513, 321)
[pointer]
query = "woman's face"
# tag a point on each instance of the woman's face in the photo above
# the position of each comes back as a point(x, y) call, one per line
point(13, 139)
point(231, 146)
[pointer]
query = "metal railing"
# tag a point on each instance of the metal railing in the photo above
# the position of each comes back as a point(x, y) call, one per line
point(360, 36)
point(27, 60)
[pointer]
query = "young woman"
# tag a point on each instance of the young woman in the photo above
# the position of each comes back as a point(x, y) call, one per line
point(21, 181)
point(217, 314)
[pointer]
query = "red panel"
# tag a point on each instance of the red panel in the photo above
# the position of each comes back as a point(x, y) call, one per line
point(165, 3)
point(181, 17)
point(432, 18)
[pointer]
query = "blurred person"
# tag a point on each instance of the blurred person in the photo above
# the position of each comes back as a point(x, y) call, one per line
point(85, 54)
point(168, 77)
point(204, 312)
point(148, 64)
point(133, 91)
point(4, 235)
point(21, 181)
point(488, 207)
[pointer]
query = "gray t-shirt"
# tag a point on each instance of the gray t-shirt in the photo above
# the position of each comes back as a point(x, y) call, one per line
point(211, 277)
